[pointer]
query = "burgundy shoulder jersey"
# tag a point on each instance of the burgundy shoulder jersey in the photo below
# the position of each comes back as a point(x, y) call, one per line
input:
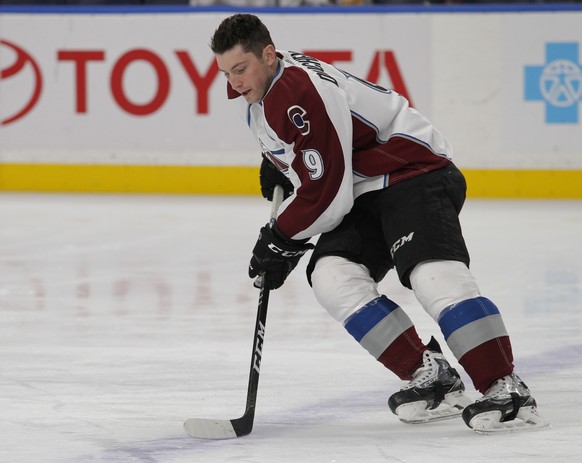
point(336, 136)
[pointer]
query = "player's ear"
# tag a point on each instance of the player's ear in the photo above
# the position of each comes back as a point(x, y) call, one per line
point(269, 54)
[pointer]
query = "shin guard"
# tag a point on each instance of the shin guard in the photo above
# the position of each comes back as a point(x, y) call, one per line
point(476, 334)
point(385, 331)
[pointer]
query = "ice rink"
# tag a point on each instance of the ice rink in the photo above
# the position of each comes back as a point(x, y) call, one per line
point(121, 316)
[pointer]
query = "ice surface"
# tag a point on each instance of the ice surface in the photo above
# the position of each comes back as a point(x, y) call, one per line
point(121, 316)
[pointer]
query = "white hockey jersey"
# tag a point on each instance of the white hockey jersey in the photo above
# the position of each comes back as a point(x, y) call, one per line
point(336, 136)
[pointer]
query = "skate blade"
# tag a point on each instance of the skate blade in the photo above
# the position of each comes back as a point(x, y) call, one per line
point(417, 413)
point(527, 419)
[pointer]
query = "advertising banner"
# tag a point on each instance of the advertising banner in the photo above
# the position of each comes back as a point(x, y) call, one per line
point(145, 89)
point(142, 91)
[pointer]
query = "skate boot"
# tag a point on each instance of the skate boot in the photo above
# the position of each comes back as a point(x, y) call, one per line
point(434, 393)
point(505, 407)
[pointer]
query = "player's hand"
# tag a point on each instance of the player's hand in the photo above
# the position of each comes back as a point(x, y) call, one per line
point(275, 257)
point(270, 177)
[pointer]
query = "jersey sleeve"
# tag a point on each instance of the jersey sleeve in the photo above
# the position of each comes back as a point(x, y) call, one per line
point(314, 119)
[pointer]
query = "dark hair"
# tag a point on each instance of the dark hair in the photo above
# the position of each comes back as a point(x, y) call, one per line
point(244, 29)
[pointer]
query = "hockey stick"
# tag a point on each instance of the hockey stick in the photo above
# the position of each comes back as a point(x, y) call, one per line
point(227, 429)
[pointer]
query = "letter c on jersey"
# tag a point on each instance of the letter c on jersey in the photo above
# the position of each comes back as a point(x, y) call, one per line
point(297, 116)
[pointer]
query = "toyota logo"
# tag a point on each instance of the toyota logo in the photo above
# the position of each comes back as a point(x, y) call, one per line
point(18, 103)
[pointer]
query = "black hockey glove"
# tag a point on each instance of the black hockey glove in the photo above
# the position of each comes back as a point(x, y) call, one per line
point(270, 177)
point(275, 256)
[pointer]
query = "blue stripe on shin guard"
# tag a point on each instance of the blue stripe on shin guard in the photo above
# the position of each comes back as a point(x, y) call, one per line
point(360, 323)
point(458, 315)
point(470, 323)
point(377, 325)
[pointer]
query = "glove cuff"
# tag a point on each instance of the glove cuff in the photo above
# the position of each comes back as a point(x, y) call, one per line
point(279, 235)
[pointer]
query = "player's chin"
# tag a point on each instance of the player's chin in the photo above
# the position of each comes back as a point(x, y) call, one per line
point(252, 96)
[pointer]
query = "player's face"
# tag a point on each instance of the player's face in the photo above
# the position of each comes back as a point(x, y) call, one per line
point(248, 74)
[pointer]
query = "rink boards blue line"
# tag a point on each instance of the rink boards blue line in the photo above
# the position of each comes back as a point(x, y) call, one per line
point(363, 9)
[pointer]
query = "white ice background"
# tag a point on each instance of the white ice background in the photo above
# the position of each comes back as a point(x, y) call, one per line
point(121, 316)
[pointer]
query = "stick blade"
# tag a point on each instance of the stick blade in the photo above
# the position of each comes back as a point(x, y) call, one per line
point(203, 428)
point(209, 429)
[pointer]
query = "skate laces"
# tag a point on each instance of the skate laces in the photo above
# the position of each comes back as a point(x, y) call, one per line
point(428, 372)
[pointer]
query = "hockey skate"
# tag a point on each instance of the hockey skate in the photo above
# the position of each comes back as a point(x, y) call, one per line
point(434, 393)
point(506, 406)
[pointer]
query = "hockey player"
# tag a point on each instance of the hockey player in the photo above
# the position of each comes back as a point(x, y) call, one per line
point(375, 179)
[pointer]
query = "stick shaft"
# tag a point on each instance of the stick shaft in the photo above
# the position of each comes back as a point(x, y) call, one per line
point(261, 320)
point(203, 428)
